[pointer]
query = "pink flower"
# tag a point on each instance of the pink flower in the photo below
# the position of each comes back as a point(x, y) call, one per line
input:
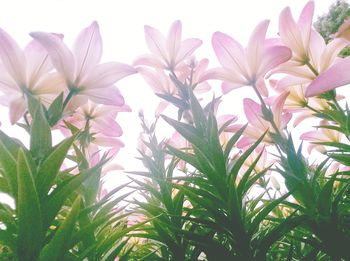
point(321, 57)
point(83, 73)
point(344, 30)
point(296, 35)
point(190, 76)
point(167, 52)
point(25, 72)
point(247, 66)
point(257, 124)
point(321, 135)
point(336, 76)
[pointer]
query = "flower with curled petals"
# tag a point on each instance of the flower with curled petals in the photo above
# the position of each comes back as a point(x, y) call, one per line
point(246, 66)
point(167, 52)
point(25, 72)
point(81, 68)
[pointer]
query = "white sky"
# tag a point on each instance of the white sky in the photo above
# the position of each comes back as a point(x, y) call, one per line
point(121, 24)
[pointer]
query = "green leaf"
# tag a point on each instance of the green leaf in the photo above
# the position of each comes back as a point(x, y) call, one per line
point(33, 104)
point(40, 135)
point(254, 226)
point(50, 167)
point(233, 141)
point(56, 199)
point(54, 113)
point(325, 198)
point(57, 248)
point(30, 228)
point(8, 154)
point(197, 112)
point(187, 131)
point(279, 231)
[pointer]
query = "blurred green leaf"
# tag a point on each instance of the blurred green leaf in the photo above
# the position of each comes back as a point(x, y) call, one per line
point(50, 167)
point(40, 135)
point(58, 246)
point(30, 227)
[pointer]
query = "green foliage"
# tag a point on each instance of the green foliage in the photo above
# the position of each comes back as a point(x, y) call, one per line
point(328, 24)
point(55, 217)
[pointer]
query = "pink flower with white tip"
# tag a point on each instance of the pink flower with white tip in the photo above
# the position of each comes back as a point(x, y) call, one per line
point(25, 72)
point(81, 68)
point(167, 52)
point(246, 66)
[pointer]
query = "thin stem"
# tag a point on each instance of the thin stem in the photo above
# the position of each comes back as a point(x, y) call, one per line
point(71, 93)
point(264, 107)
point(314, 71)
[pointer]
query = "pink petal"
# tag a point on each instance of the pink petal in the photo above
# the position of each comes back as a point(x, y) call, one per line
point(222, 119)
point(277, 108)
point(305, 22)
point(311, 135)
point(107, 96)
point(173, 41)
point(149, 60)
point(234, 79)
point(244, 142)
point(337, 75)
point(13, 58)
point(289, 81)
point(107, 126)
point(38, 62)
point(50, 83)
point(106, 74)
point(156, 42)
point(108, 142)
point(87, 49)
point(331, 53)
point(17, 108)
point(202, 88)
point(187, 48)
point(158, 81)
point(226, 87)
point(273, 56)
point(230, 53)
point(161, 107)
point(261, 87)
point(253, 114)
point(317, 47)
point(255, 48)
point(302, 116)
point(290, 33)
point(61, 57)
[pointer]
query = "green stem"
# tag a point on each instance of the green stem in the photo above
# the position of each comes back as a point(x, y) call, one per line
point(265, 108)
point(70, 95)
point(309, 65)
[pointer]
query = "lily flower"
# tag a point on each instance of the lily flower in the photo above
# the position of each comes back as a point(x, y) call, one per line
point(167, 52)
point(321, 135)
point(25, 72)
point(337, 75)
point(81, 68)
point(321, 57)
point(190, 75)
point(246, 66)
point(296, 35)
point(257, 124)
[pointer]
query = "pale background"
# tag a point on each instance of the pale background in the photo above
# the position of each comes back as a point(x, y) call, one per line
point(121, 24)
